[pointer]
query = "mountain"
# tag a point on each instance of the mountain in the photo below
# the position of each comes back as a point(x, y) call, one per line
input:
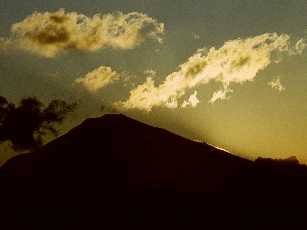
point(114, 172)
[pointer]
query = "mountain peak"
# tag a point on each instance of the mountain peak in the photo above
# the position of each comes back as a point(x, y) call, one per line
point(110, 119)
point(127, 168)
point(114, 116)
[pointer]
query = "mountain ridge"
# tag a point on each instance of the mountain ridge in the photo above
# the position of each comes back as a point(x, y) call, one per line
point(144, 177)
point(115, 117)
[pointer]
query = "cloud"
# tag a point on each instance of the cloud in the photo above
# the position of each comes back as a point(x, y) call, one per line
point(150, 73)
point(98, 78)
point(276, 85)
point(196, 36)
point(5, 43)
point(51, 33)
point(192, 101)
point(222, 94)
point(237, 61)
point(300, 46)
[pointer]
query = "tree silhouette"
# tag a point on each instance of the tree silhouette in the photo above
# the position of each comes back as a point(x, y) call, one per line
point(25, 125)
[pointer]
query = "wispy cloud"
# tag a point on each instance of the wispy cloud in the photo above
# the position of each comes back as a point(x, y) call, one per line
point(300, 46)
point(222, 94)
point(98, 78)
point(150, 73)
point(196, 36)
point(51, 33)
point(237, 61)
point(5, 43)
point(192, 101)
point(276, 85)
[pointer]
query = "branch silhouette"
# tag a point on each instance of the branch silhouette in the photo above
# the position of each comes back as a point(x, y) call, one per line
point(25, 124)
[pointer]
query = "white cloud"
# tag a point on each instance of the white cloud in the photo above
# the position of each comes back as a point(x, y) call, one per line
point(276, 85)
point(237, 61)
point(150, 73)
point(300, 46)
point(98, 78)
point(51, 33)
point(196, 36)
point(222, 94)
point(192, 101)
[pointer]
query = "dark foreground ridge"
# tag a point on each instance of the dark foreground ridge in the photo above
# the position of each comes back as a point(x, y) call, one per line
point(114, 172)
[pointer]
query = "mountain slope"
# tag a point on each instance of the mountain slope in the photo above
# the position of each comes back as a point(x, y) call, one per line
point(142, 176)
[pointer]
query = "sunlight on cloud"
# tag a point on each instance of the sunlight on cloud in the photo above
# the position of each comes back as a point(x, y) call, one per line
point(196, 36)
point(51, 33)
point(98, 78)
point(150, 73)
point(237, 61)
point(222, 94)
point(192, 101)
point(276, 85)
point(300, 46)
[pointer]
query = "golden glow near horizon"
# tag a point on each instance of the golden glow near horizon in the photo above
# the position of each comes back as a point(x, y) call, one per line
point(232, 73)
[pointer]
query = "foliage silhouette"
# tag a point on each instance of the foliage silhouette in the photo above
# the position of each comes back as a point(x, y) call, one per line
point(25, 124)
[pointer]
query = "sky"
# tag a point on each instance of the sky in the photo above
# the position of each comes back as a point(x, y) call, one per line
point(231, 73)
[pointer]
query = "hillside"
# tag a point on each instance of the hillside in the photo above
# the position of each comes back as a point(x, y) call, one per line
point(114, 172)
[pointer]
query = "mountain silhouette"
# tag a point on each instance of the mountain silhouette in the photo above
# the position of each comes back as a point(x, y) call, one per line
point(114, 172)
